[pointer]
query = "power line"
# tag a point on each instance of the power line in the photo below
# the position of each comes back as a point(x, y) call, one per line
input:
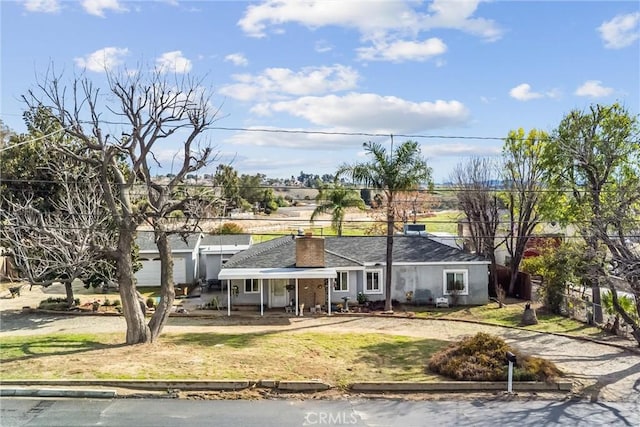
point(288, 233)
point(34, 139)
point(437, 189)
point(344, 133)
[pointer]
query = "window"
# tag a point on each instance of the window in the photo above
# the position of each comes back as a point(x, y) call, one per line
point(372, 282)
point(455, 281)
point(342, 282)
point(251, 286)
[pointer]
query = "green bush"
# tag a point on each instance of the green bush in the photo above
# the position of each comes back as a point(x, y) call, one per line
point(483, 358)
point(116, 303)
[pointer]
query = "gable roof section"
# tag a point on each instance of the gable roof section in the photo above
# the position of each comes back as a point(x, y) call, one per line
point(146, 242)
point(226, 240)
point(406, 249)
point(353, 251)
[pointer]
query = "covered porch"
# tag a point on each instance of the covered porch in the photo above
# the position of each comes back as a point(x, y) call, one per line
point(306, 284)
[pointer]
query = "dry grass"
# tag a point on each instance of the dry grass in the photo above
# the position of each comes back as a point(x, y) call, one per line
point(336, 358)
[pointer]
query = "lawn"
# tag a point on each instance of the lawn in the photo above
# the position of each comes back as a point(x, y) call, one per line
point(335, 358)
point(511, 315)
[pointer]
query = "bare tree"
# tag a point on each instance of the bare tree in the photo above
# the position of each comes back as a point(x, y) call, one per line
point(474, 181)
point(411, 204)
point(59, 245)
point(148, 111)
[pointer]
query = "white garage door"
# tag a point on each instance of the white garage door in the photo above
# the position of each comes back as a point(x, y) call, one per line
point(149, 274)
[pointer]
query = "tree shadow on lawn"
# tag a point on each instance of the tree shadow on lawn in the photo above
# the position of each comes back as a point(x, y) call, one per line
point(33, 347)
point(408, 356)
point(207, 339)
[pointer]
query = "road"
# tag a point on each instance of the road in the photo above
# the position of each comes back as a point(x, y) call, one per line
point(501, 411)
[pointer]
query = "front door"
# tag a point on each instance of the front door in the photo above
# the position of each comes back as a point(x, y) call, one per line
point(278, 293)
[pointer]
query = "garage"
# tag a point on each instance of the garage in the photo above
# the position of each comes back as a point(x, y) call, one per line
point(149, 274)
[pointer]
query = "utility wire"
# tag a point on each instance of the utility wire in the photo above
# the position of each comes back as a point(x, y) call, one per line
point(33, 140)
point(452, 188)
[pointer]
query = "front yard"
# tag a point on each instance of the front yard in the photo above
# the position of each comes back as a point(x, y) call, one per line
point(338, 358)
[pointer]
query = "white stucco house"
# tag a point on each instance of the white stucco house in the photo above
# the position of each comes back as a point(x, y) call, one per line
point(321, 272)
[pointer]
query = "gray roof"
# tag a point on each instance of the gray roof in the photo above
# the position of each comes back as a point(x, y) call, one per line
point(352, 251)
point(226, 240)
point(146, 241)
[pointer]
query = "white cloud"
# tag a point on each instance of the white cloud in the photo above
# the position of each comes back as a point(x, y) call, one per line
point(322, 46)
point(400, 51)
point(459, 15)
point(523, 92)
point(373, 19)
point(621, 31)
point(279, 82)
point(371, 112)
point(103, 59)
point(237, 59)
point(173, 62)
point(593, 89)
point(43, 6)
point(294, 138)
point(554, 93)
point(97, 7)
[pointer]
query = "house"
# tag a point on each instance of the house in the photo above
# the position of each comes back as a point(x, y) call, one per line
point(185, 258)
point(320, 272)
point(216, 250)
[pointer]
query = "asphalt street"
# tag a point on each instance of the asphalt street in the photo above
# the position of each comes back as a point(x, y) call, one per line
point(501, 411)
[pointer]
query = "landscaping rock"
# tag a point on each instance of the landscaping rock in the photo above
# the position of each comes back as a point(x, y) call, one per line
point(529, 316)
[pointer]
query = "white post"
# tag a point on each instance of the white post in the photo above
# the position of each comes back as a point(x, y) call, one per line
point(261, 299)
point(510, 383)
point(229, 298)
point(329, 285)
point(296, 296)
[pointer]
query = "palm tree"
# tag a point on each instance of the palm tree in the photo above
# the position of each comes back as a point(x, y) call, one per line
point(337, 200)
point(401, 170)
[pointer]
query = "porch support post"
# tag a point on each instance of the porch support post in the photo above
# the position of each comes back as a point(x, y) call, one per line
point(228, 297)
point(261, 299)
point(329, 285)
point(297, 297)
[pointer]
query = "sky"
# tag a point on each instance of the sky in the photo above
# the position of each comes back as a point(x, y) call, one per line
point(453, 75)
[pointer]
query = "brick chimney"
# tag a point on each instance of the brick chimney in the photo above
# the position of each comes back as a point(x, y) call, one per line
point(309, 251)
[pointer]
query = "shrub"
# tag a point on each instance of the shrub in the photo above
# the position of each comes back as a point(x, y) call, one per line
point(483, 358)
point(362, 298)
point(228, 228)
point(116, 303)
point(150, 302)
point(58, 303)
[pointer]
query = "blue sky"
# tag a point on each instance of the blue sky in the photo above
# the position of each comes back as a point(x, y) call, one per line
point(463, 69)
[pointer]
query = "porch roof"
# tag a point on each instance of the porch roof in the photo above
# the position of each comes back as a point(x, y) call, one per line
point(277, 273)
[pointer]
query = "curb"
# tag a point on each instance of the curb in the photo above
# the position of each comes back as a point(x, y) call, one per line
point(460, 386)
point(54, 392)
point(277, 385)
